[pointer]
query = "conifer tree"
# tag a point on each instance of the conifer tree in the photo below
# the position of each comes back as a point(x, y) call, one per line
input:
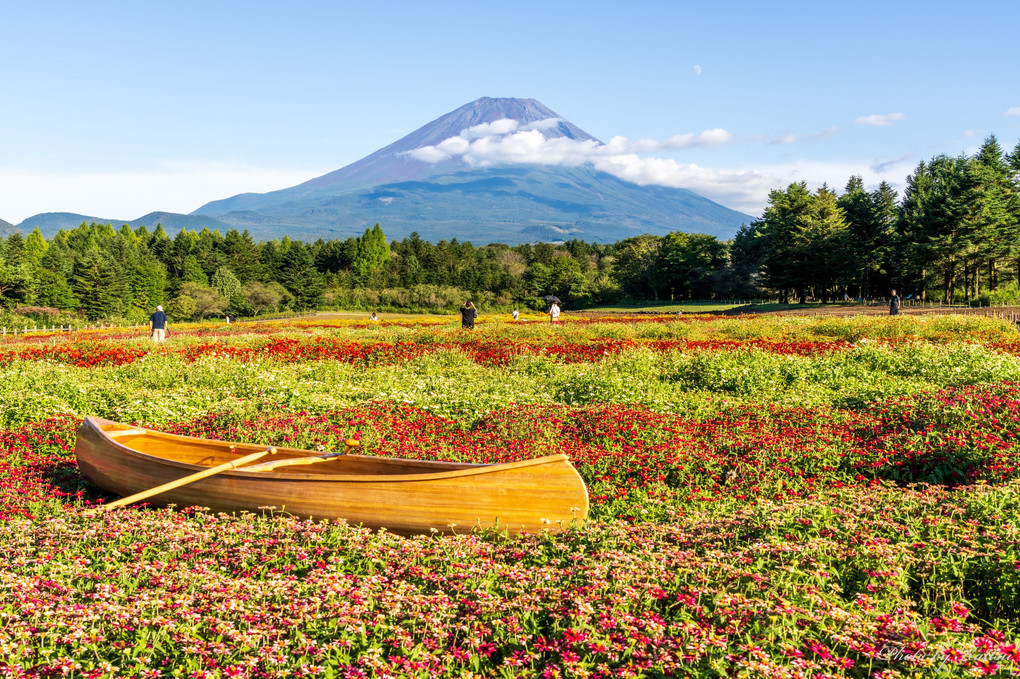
point(372, 254)
point(96, 285)
point(35, 247)
point(225, 282)
point(987, 214)
point(53, 290)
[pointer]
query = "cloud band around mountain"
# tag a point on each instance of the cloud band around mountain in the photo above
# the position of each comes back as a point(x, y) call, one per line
point(507, 142)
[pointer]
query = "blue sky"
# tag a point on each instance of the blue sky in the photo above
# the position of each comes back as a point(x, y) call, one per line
point(116, 109)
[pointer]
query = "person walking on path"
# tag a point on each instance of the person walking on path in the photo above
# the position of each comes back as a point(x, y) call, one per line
point(158, 325)
point(894, 304)
point(554, 313)
point(468, 314)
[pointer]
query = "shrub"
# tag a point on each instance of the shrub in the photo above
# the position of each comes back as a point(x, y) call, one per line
point(38, 313)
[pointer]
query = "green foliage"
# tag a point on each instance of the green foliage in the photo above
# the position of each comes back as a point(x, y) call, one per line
point(637, 266)
point(182, 306)
point(1005, 295)
point(226, 283)
point(97, 284)
point(260, 297)
point(52, 289)
point(807, 241)
point(206, 300)
point(297, 273)
point(192, 271)
point(562, 277)
point(689, 264)
point(35, 247)
point(372, 254)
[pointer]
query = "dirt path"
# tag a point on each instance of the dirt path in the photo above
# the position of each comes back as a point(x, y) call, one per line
point(1011, 313)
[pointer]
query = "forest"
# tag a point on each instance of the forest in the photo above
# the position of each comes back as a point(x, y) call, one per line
point(953, 236)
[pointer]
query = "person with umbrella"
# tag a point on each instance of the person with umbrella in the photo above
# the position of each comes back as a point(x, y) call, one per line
point(554, 309)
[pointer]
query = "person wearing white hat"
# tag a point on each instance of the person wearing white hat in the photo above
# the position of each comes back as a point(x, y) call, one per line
point(157, 325)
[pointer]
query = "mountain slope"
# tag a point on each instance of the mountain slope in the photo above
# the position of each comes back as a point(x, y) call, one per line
point(51, 222)
point(446, 199)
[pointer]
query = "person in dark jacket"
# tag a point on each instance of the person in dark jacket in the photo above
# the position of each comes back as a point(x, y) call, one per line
point(468, 314)
point(158, 325)
point(894, 304)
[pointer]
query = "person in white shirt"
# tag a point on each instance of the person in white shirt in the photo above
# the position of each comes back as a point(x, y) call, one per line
point(554, 313)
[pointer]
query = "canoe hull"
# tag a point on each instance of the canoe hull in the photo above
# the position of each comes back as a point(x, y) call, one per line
point(403, 496)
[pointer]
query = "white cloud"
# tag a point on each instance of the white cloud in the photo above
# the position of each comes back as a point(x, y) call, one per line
point(706, 138)
point(697, 69)
point(544, 124)
point(828, 132)
point(787, 138)
point(881, 119)
point(493, 129)
point(127, 195)
point(1015, 111)
point(504, 141)
point(430, 154)
point(746, 190)
point(677, 142)
point(492, 144)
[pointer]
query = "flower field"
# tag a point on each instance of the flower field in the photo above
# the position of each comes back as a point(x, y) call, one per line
point(788, 497)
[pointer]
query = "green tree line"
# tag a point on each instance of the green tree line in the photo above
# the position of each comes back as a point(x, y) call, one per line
point(954, 235)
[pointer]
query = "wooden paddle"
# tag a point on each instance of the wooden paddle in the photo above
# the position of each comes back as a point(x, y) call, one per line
point(268, 466)
point(205, 473)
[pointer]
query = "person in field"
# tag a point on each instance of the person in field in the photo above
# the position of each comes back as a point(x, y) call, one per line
point(894, 303)
point(158, 325)
point(554, 313)
point(468, 314)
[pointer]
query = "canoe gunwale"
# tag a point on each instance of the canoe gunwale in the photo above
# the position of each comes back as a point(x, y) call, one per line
point(475, 469)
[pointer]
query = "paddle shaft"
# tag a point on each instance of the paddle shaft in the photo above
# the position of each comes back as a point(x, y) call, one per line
point(205, 473)
point(269, 466)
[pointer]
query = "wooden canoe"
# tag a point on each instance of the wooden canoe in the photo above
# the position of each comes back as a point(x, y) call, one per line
point(403, 496)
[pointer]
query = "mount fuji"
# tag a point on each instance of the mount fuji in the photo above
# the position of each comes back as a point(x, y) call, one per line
point(435, 181)
point(493, 171)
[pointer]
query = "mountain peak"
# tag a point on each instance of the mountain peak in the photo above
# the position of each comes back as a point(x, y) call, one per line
point(430, 181)
point(391, 163)
point(524, 112)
